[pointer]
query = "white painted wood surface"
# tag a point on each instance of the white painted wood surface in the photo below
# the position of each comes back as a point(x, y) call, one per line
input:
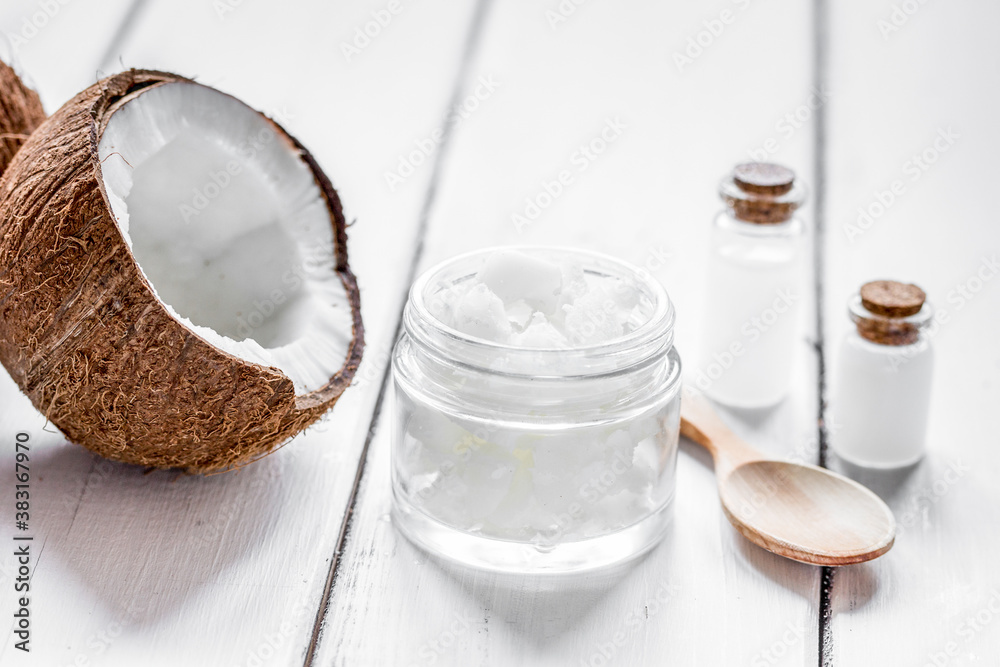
point(59, 46)
point(653, 192)
point(161, 569)
point(936, 598)
point(164, 570)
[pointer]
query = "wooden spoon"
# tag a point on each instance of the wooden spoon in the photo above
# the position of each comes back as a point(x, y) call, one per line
point(801, 512)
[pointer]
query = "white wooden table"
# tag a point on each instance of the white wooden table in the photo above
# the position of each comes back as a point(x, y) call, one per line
point(293, 561)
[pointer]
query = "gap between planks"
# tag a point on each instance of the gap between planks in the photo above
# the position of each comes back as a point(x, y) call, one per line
point(467, 57)
point(821, 35)
point(107, 62)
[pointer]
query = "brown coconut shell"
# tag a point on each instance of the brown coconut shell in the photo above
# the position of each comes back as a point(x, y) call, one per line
point(84, 336)
point(20, 113)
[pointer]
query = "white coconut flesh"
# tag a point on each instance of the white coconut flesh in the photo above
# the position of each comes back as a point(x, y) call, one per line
point(229, 227)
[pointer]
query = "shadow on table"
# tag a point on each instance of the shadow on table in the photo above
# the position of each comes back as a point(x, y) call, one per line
point(541, 608)
point(907, 491)
point(799, 578)
point(142, 543)
point(889, 484)
point(755, 418)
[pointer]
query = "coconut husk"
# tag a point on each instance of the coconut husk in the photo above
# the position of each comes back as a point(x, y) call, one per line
point(20, 113)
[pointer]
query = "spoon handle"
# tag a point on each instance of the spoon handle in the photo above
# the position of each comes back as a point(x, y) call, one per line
point(700, 423)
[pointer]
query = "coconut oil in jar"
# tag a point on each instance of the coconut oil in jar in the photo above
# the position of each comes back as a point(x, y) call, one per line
point(755, 283)
point(537, 409)
point(882, 384)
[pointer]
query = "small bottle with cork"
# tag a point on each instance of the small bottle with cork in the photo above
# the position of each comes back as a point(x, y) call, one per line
point(755, 287)
point(882, 383)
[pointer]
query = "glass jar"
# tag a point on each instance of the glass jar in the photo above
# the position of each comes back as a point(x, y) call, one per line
point(755, 288)
point(534, 460)
point(881, 390)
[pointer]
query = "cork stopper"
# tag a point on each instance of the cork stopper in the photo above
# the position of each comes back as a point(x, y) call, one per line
point(764, 178)
point(892, 299)
point(762, 192)
point(890, 307)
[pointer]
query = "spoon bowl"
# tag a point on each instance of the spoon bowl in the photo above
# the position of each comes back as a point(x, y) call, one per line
point(807, 513)
point(798, 511)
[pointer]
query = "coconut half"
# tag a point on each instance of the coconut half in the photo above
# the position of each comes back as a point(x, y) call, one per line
point(20, 113)
point(175, 290)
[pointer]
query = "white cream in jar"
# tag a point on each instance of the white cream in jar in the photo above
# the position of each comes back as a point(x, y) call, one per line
point(536, 410)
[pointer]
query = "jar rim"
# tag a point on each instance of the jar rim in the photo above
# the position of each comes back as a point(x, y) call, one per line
point(759, 207)
point(727, 220)
point(919, 320)
point(885, 330)
point(654, 335)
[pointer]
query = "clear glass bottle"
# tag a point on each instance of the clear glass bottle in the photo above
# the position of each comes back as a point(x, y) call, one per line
point(881, 390)
point(755, 287)
point(534, 460)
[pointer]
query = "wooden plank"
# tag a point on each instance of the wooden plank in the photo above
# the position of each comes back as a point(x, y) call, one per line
point(650, 194)
point(57, 45)
point(164, 570)
point(909, 92)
